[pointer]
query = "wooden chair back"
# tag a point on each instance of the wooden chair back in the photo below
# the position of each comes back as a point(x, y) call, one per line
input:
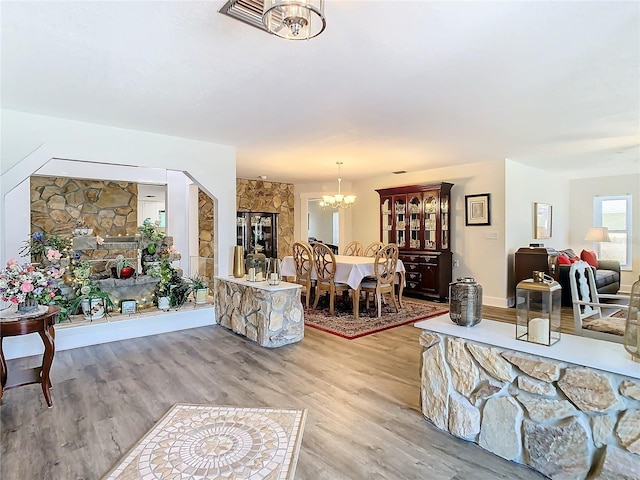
point(587, 306)
point(325, 263)
point(385, 264)
point(353, 249)
point(303, 261)
point(372, 249)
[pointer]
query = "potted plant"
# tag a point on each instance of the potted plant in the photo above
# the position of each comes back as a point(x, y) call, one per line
point(150, 240)
point(172, 290)
point(28, 286)
point(95, 303)
point(200, 288)
point(122, 267)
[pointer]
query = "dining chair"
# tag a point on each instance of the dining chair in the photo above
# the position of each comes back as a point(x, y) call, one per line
point(385, 270)
point(588, 304)
point(303, 261)
point(372, 249)
point(353, 249)
point(325, 263)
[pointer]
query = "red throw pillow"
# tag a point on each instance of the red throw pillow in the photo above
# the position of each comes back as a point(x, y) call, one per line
point(590, 257)
point(563, 259)
point(574, 259)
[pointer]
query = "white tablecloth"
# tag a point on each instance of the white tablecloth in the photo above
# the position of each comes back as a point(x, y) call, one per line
point(349, 270)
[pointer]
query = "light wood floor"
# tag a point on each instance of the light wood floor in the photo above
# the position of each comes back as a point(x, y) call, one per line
point(362, 396)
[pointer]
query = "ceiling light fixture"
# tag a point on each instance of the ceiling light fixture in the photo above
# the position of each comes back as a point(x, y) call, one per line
point(294, 19)
point(338, 200)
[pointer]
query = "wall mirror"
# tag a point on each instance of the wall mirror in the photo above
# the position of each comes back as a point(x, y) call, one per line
point(542, 220)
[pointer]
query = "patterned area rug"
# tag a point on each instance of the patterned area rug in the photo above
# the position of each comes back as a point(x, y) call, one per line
point(343, 324)
point(205, 442)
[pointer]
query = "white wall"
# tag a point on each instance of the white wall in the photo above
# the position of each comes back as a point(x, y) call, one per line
point(479, 249)
point(30, 141)
point(524, 186)
point(582, 192)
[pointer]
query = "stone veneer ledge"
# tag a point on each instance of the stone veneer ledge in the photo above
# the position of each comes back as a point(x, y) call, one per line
point(546, 410)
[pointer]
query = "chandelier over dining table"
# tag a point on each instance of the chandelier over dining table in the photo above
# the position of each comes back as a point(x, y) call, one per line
point(338, 200)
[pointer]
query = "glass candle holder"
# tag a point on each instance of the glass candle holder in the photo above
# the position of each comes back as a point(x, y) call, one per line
point(274, 267)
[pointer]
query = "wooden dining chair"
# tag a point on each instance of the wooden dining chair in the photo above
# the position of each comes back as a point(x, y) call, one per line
point(588, 305)
point(353, 249)
point(372, 249)
point(385, 270)
point(303, 261)
point(325, 263)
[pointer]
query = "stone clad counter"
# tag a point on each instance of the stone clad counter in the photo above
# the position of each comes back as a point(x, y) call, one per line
point(569, 411)
point(271, 315)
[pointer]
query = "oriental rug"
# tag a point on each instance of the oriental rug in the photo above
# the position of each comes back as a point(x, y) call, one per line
point(206, 442)
point(344, 325)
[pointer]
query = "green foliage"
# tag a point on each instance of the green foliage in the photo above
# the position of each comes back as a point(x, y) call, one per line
point(197, 282)
point(171, 284)
point(151, 236)
point(90, 291)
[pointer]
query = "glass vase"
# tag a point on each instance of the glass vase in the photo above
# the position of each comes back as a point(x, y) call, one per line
point(28, 306)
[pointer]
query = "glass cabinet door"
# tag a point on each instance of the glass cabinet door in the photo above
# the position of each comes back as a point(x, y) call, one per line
point(414, 205)
point(400, 210)
point(387, 221)
point(430, 221)
point(262, 234)
point(444, 221)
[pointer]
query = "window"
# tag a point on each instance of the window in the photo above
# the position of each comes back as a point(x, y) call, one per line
point(614, 212)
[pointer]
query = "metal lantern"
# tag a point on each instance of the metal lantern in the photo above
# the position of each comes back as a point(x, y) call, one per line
point(256, 267)
point(632, 329)
point(465, 302)
point(538, 308)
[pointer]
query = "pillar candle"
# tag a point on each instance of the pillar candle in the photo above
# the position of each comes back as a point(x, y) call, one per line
point(539, 330)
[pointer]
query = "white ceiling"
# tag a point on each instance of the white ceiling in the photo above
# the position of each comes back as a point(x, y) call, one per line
point(389, 85)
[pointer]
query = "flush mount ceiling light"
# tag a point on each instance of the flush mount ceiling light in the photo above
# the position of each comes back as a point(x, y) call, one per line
point(338, 200)
point(294, 19)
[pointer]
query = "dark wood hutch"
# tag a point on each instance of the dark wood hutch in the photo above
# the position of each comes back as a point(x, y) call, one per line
point(418, 219)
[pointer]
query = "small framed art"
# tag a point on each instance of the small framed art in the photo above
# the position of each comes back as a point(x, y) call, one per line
point(477, 209)
point(128, 307)
point(542, 220)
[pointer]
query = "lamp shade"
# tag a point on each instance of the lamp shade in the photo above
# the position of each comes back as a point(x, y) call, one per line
point(598, 234)
point(294, 19)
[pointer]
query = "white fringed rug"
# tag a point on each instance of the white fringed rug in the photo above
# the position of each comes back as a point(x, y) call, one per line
point(204, 442)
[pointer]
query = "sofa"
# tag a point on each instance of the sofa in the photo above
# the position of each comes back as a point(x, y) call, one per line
point(606, 273)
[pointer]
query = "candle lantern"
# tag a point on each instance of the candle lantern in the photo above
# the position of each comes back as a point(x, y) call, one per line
point(632, 329)
point(538, 309)
point(274, 266)
point(256, 267)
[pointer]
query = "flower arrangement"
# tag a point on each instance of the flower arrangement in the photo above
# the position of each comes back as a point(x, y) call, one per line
point(22, 282)
point(45, 245)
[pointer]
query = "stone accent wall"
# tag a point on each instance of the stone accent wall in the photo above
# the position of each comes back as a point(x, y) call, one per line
point(110, 208)
point(205, 234)
point(565, 421)
point(271, 318)
point(271, 197)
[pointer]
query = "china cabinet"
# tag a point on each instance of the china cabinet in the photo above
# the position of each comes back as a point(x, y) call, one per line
point(417, 218)
point(257, 232)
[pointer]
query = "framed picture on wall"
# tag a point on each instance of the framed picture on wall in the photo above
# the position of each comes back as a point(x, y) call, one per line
point(477, 209)
point(542, 220)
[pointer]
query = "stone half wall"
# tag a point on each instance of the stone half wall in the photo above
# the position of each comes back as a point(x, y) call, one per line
point(109, 208)
point(269, 197)
point(269, 318)
point(565, 421)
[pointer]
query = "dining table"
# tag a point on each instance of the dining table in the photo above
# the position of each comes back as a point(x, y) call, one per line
point(350, 270)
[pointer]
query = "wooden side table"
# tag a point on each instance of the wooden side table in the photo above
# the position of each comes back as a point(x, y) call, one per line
point(42, 325)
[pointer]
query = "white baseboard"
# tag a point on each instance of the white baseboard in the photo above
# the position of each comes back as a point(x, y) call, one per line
point(70, 336)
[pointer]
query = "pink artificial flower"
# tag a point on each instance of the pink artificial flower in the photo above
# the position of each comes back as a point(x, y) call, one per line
point(26, 287)
point(12, 261)
point(172, 249)
point(14, 300)
point(53, 254)
point(99, 240)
